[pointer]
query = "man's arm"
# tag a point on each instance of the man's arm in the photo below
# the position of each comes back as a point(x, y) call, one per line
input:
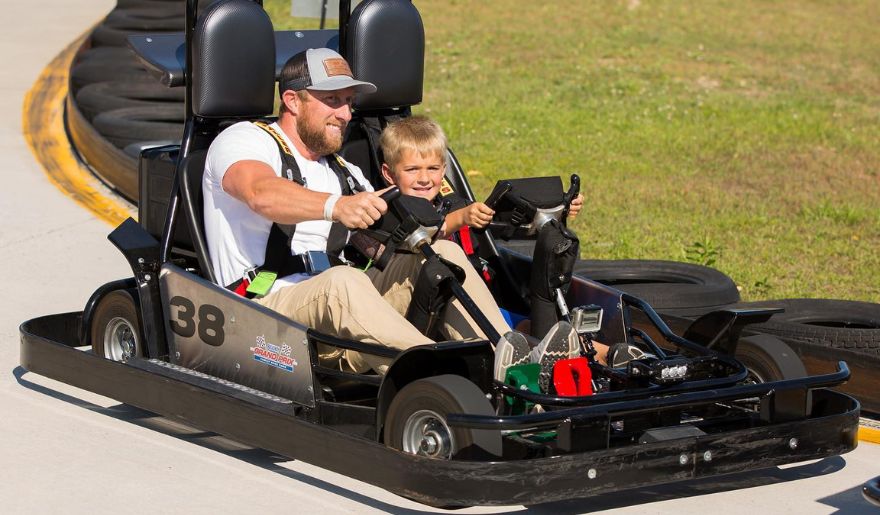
point(286, 202)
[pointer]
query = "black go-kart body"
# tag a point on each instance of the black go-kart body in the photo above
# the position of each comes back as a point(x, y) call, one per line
point(175, 343)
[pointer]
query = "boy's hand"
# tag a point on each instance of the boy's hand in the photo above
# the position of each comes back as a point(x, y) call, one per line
point(576, 204)
point(478, 215)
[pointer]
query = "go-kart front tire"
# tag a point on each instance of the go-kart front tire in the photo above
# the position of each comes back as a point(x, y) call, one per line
point(416, 420)
point(116, 330)
point(768, 359)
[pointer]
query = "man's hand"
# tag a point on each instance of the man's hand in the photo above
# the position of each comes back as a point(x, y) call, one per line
point(477, 215)
point(575, 207)
point(359, 211)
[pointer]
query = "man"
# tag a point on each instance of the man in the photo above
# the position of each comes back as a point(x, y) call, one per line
point(262, 178)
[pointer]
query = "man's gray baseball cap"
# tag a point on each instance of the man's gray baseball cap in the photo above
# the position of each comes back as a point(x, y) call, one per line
point(326, 70)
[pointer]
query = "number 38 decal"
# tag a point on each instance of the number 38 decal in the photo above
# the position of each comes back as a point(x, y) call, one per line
point(208, 321)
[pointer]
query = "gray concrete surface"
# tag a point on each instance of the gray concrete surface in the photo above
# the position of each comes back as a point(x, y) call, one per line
point(66, 450)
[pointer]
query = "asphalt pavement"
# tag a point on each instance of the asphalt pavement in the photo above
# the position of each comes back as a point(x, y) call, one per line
point(70, 451)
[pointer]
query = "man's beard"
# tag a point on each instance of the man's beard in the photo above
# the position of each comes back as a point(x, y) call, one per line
point(316, 139)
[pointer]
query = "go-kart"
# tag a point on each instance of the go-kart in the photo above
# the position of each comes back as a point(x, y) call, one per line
point(436, 427)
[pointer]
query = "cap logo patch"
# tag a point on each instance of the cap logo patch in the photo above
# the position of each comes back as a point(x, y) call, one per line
point(336, 66)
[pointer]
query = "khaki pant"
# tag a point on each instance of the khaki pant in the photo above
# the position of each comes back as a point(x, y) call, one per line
point(370, 307)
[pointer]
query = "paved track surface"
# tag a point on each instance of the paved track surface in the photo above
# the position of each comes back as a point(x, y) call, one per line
point(67, 450)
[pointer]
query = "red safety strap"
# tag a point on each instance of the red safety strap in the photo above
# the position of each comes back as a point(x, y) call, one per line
point(464, 237)
point(572, 377)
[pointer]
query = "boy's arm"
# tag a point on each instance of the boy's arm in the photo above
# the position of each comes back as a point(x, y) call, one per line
point(454, 221)
point(475, 215)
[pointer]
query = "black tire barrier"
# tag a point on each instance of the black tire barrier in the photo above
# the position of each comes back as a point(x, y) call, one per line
point(104, 35)
point(106, 54)
point(138, 4)
point(147, 20)
point(832, 323)
point(112, 164)
point(89, 72)
point(674, 288)
point(99, 97)
point(129, 125)
point(683, 289)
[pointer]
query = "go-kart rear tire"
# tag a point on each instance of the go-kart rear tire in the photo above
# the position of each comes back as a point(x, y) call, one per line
point(417, 416)
point(768, 359)
point(116, 330)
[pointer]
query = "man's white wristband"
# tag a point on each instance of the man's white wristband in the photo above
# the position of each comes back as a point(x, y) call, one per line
point(329, 204)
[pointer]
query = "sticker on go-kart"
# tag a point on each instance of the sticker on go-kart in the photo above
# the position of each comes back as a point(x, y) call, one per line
point(445, 188)
point(208, 321)
point(273, 355)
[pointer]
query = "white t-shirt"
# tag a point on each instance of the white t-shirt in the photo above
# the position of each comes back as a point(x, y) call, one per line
point(235, 234)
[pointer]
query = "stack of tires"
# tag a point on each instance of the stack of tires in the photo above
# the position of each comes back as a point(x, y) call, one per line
point(115, 107)
point(672, 288)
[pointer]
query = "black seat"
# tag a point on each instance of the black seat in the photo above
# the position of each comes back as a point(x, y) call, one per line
point(385, 45)
point(232, 58)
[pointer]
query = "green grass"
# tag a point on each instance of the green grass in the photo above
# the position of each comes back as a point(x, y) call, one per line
point(745, 135)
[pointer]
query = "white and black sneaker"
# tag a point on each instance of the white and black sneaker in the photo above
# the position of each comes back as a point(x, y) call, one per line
point(511, 350)
point(620, 354)
point(560, 342)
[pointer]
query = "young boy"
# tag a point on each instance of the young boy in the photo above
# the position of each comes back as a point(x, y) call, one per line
point(414, 151)
point(414, 154)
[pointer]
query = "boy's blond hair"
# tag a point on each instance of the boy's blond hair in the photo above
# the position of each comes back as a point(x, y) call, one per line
point(418, 134)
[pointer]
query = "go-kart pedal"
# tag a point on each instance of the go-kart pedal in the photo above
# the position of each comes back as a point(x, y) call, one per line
point(560, 342)
point(522, 377)
point(572, 377)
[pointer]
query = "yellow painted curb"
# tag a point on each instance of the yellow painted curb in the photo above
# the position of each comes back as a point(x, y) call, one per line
point(869, 434)
point(43, 128)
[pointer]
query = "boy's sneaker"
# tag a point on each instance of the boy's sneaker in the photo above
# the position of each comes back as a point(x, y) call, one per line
point(511, 350)
point(560, 342)
point(620, 354)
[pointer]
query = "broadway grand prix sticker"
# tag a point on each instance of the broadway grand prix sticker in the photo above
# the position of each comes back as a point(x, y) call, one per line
point(273, 355)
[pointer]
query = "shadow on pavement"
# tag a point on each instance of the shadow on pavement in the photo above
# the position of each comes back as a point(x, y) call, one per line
point(849, 501)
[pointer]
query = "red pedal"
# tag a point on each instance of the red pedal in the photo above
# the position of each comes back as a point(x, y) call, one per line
point(572, 377)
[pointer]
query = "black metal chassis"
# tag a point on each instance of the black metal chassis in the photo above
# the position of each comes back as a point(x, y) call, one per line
point(49, 348)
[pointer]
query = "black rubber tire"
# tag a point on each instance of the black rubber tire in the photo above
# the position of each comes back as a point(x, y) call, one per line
point(443, 395)
point(158, 122)
point(833, 323)
point(89, 72)
point(147, 4)
point(105, 35)
point(106, 54)
point(674, 288)
point(769, 359)
point(668, 286)
point(93, 99)
point(116, 305)
point(147, 19)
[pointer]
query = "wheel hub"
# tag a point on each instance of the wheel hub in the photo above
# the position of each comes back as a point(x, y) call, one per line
point(426, 434)
point(120, 340)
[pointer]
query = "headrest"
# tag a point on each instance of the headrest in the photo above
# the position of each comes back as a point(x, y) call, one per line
point(233, 73)
point(385, 45)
